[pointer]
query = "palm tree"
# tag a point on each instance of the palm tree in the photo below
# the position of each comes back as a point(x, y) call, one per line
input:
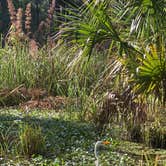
point(117, 25)
point(150, 77)
point(133, 35)
point(94, 25)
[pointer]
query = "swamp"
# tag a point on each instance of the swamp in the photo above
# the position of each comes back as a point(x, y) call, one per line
point(83, 83)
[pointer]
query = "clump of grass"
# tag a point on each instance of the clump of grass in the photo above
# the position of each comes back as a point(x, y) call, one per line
point(157, 136)
point(135, 133)
point(19, 67)
point(46, 69)
point(32, 141)
point(8, 140)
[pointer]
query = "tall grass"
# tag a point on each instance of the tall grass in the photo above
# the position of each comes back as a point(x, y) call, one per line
point(32, 141)
point(19, 67)
point(47, 69)
point(8, 140)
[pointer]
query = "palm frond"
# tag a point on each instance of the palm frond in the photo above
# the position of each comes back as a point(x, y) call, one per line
point(150, 76)
point(146, 17)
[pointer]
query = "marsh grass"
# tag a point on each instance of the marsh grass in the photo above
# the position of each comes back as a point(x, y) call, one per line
point(19, 67)
point(32, 140)
point(8, 140)
point(157, 136)
point(83, 67)
point(47, 69)
point(85, 83)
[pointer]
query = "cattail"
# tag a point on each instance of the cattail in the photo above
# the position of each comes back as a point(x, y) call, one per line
point(33, 48)
point(41, 26)
point(12, 12)
point(50, 13)
point(28, 19)
point(19, 21)
point(50, 42)
point(47, 22)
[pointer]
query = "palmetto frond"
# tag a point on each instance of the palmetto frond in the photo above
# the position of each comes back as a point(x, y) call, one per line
point(94, 25)
point(146, 17)
point(151, 73)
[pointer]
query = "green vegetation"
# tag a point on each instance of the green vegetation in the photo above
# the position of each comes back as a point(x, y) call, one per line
point(94, 70)
point(67, 139)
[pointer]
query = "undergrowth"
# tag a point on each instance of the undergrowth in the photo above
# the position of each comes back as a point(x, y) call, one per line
point(65, 140)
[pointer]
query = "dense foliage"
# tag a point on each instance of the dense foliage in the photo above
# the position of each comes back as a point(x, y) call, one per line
point(135, 29)
point(101, 63)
